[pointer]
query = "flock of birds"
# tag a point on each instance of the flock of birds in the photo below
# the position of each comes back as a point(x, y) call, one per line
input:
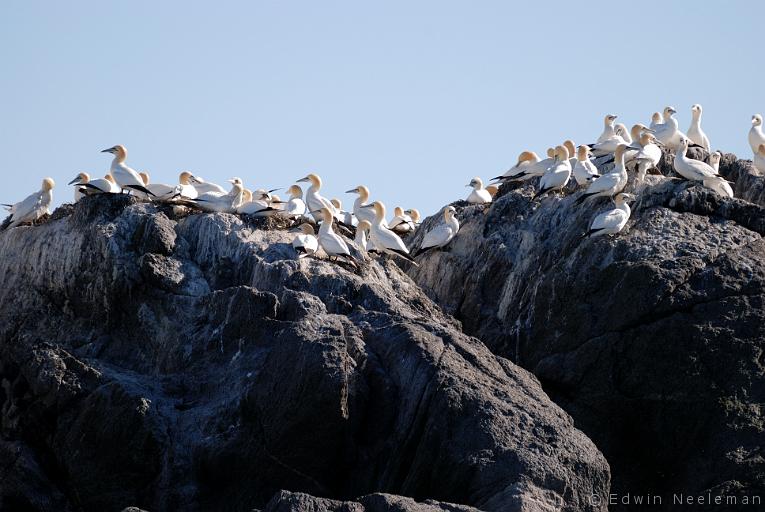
point(601, 168)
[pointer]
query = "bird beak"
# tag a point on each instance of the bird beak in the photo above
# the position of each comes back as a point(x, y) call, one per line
point(649, 130)
point(230, 181)
point(75, 180)
point(301, 180)
point(279, 202)
point(107, 150)
point(352, 191)
point(273, 190)
point(469, 185)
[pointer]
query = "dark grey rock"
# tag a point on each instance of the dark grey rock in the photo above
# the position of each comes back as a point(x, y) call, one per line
point(189, 362)
point(652, 340)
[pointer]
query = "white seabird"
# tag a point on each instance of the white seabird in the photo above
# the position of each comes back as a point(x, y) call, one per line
point(124, 176)
point(362, 231)
point(33, 206)
point(401, 222)
point(382, 237)
point(668, 133)
point(332, 243)
point(609, 184)
point(719, 185)
point(695, 133)
point(203, 187)
point(359, 211)
point(479, 195)
point(756, 137)
point(492, 190)
point(558, 175)
point(185, 187)
point(214, 202)
point(161, 191)
point(622, 132)
point(529, 166)
point(609, 130)
point(584, 170)
point(295, 207)
point(442, 234)
point(85, 186)
point(255, 203)
point(649, 156)
point(612, 221)
point(688, 168)
point(305, 243)
point(759, 159)
point(714, 161)
point(314, 200)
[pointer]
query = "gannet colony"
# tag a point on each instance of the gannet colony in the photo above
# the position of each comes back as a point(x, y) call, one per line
point(600, 169)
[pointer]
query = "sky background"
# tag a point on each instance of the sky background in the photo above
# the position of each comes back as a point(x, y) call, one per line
point(412, 99)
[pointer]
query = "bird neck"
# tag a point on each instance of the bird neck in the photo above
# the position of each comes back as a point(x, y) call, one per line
point(696, 118)
point(326, 227)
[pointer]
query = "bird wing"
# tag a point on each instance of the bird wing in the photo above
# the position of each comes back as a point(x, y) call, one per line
point(295, 207)
point(609, 219)
point(702, 168)
point(605, 182)
point(126, 176)
point(389, 240)
point(437, 237)
point(333, 244)
point(22, 209)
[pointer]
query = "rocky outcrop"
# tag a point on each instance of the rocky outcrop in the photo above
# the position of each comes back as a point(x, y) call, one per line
point(653, 340)
point(300, 502)
point(172, 362)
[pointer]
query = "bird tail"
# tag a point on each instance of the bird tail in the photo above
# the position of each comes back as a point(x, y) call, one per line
point(141, 189)
point(406, 256)
point(422, 250)
point(540, 193)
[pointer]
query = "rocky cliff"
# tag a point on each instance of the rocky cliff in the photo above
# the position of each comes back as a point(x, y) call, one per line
point(653, 340)
point(192, 363)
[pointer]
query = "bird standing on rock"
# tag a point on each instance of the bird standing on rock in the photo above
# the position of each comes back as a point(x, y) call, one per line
point(124, 176)
point(382, 237)
point(612, 221)
point(305, 243)
point(479, 195)
point(442, 234)
point(33, 206)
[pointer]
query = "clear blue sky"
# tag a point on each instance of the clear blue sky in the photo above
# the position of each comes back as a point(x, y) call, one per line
point(410, 98)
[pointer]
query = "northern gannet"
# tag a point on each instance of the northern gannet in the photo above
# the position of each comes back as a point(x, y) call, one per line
point(401, 222)
point(255, 203)
point(690, 169)
point(124, 176)
point(608, 128)
point(612, 221)
point(160, 190)
point(759, 159)
point(649, 156)
point(442, 234)
point(532, 167)
point(714, 161)
point(186, 188)
point(305, 243)
point(295, 207)
point(86, 186)
point(214, 202)
point(479, 195)
point(361, 201)
point(332, 243)
point(609, 184)
point(492, 190)
point(668, 133)
point(558, 175)
point(606, 145)
point(414, 213)
point(33, 206)
point(314, 200)
point(695, 133)
point(584, 170)
point(756, 137)
point(362, 231)
point(384, 239)
point(572, 154)
point(202, 187)
point(718, 184)
point(656, 120)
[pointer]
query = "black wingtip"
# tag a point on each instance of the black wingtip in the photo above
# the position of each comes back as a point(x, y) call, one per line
point(141, 189)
